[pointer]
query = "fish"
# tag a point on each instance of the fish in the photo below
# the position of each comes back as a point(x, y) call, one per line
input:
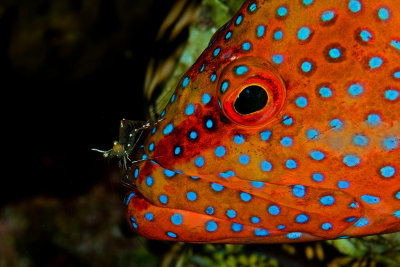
point(285, 129)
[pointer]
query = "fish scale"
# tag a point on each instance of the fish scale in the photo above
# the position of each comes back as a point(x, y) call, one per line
point(285, 129)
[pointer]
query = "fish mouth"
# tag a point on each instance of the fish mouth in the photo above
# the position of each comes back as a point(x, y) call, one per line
point(213, 208)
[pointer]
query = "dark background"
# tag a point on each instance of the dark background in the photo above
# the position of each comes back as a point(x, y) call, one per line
point(71, 69)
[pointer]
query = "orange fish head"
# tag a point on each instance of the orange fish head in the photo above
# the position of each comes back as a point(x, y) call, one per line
point(285, 129)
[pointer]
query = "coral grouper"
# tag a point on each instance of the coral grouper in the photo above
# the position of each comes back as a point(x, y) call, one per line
point(286, 129)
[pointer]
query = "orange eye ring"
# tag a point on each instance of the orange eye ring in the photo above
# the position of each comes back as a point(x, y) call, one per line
point(260, 80)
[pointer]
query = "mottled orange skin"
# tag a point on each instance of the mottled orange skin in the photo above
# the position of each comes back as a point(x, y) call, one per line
point(289, 82)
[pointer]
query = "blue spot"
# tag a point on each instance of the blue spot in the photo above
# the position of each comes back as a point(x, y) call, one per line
point(211, 226)
point(307, 2)
point(260, 30)
point(231, 213)
point(253, 7)
point(294, 235)
point(255, 219)
point(277, 58)
point(395, 44)
point(168, 129)
point(335, 53)
point(291, 164)
point(287, 141)
point(373, 119)
point(356, 89)
point(162, 113)
point(246, 46)
point(266, 166)
point(365, 35)
point(278, 35)
point(176, 219)
point(261, 232)
point(220, 151)
point(343, 184)
point(274, 210)
point(177, 150)
point(317, 155)
point(354, 6)
point(239, 19)
point(390, 143)
point(354, 205)
point(227, 174)
point(336, 124)
point(351, 219)
point(154, 130)
point(189, 109)
point(209, 123)
point(136, 174)
point(360, 140)
point(217, 187)
point(282, 11)
point(391, 94)
point(351, 160)
point(169, 173)
point(287, 120)
point(199, 161)
point(312, 134)
point(397, 213)
point(129, 198)
point(257, 184)
point(328, 15)
point(326, 226)
point(193, 177)
point(302, 218)
point(172, 99)
point(327, 200)
point(317, 177)
point(303, 33)
point(299, 190)
point(210, 210)
point(224, 86)
point(383, 13)
point(213, 77)
point(151, 147)
point(171, 234)
point(149, 181)
point(163, 199)
point(206, 98)
point(375, 62)
point(244, 159)
point(134, 224)
point(202, 68)
point(281, 227)
point(216, 51)
point(388, 171)
point(325, 92)
point(398, 195)
point(193, 135)
point(306, 66)
point(265, 135)
point(362, 222)
point(238, 139)
point(237, 227)
point(301, 102)
point(240, 70)
point(228, 35)
point(370, 199)
point(192, 196)
point(144, 157)
point(185, 82)
point(149, 216)
point(245, 196)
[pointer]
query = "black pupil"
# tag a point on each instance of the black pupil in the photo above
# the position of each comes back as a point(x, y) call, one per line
point(251, 99)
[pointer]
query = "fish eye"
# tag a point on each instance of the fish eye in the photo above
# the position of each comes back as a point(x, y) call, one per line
point(250, 92)
point(251, 99)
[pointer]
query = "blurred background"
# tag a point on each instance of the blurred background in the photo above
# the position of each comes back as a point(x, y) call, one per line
point(70, 71)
